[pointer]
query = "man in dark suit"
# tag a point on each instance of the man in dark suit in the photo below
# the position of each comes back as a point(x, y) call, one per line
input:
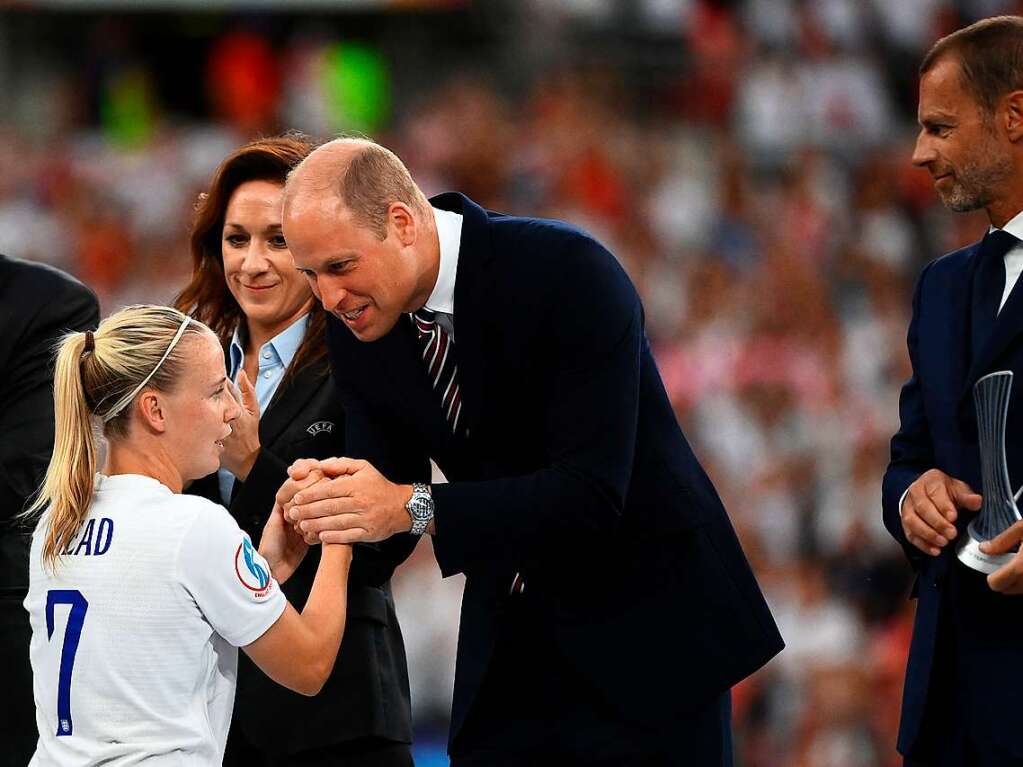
point(38, 304)
point(608, 607)
point(964, 682)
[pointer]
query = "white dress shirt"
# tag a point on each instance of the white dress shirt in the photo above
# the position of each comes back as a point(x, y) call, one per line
point(442, 300)
point(1014, 258)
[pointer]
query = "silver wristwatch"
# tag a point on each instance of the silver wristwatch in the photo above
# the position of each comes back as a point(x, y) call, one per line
point(420, 508)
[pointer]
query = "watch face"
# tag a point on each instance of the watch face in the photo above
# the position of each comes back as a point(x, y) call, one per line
point(420, 508)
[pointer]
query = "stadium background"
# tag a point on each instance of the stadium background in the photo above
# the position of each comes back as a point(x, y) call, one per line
point(747, 161)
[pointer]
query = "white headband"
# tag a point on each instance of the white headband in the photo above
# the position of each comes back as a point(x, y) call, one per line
point(126, 400)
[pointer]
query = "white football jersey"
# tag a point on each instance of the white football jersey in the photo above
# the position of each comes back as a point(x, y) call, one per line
point(135, 634)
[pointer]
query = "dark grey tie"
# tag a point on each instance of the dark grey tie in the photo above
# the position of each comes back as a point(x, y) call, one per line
point(988, 286)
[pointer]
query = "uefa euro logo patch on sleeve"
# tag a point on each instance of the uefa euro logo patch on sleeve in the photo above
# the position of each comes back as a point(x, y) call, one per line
point(253, 571)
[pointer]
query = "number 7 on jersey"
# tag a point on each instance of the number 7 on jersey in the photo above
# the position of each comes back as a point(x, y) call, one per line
point(72, 634)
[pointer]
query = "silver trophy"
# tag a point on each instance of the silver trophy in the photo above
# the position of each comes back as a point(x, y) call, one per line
point(999, 512)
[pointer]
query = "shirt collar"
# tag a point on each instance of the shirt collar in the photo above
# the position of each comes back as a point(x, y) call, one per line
point(449, 233)
point(284, 345)
point(1014, 226)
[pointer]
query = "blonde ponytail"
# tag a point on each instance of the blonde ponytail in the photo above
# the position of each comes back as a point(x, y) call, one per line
point(70, 477)
point(99, 375)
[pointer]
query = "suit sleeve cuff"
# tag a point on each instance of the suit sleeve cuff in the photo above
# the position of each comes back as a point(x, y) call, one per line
point(913, 554)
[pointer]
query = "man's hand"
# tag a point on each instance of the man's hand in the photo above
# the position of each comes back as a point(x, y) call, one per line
point(241, 448)
point(353, 502)
point(931, 508)
point(301, 474)
point(1007, 579)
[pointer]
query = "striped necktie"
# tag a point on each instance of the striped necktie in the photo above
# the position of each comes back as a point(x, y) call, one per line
point(438, 354)
point(439, 357)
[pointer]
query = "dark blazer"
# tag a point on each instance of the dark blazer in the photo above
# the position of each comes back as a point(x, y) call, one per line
point(367, 694)
point(939, 430)
point(38, 304)
point(571, 470)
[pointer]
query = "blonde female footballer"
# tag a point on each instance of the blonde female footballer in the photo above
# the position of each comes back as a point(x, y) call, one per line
point(139, 596)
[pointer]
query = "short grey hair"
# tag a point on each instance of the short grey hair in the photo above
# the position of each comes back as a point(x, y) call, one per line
point(367, 181)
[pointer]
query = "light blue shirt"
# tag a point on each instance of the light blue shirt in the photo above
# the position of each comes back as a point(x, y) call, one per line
point(275, 357)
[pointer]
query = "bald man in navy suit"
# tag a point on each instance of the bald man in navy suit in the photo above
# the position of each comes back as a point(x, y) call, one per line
point(608, 606)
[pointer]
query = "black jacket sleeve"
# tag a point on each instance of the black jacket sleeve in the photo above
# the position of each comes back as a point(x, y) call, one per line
point(912, 452)
point(38, 305)
point(54, 305)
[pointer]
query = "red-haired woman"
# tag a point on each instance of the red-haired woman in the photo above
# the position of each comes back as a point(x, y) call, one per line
point(246, 288)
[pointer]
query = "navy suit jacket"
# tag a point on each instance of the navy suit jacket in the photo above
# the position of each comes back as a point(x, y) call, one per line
point(38, 304)
point(571, 470)
point(939, 430)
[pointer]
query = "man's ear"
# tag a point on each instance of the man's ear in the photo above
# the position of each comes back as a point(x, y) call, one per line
point(1014, 116)
point(402, 220)
point(150, 407)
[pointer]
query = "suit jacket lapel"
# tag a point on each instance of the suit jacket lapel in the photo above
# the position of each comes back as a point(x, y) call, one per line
point(1007, 326)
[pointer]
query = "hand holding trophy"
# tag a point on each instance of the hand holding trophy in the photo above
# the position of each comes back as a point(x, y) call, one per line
point(994, 531)
point(1007, 579)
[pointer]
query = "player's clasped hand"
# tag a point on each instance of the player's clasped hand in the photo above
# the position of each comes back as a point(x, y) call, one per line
point(282, 546)
point(1007, 579)
point(351, 503)
point(305, 475)
point(931, 508)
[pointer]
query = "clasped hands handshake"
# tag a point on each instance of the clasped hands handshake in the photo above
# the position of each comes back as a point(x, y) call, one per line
point(342, 500)
point(336, 500)
point(929, 511)
point(333, 501)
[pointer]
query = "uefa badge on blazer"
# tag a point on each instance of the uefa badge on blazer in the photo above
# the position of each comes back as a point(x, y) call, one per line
point(320, 427)
point(999, 511)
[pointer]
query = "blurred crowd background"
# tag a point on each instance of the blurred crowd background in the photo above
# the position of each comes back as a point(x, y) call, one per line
point(747, 161)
